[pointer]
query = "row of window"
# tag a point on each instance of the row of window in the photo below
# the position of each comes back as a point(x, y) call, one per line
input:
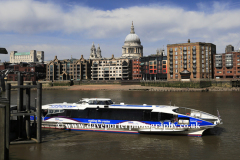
point(188, 48)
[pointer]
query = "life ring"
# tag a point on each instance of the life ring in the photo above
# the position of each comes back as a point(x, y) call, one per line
point(176, 119)
point(188, 114)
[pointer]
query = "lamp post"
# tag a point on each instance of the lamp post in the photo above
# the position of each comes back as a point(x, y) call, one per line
point(3, 51)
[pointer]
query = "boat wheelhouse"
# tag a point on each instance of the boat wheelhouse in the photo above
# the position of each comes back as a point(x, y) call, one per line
point(101, 114)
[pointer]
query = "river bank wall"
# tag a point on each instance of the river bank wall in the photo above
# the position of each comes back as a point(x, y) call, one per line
point(161, 86)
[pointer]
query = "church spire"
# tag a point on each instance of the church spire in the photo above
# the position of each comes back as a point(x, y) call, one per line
point(132, 29)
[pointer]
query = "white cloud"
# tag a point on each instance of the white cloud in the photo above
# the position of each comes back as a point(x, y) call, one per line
point(155, 24)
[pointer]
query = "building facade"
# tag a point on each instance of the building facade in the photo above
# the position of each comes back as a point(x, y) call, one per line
point(227, 65)
point(69, 69)
point(190, 61)
point(32, 56)
point(111, 69)
point(30, 71)
point(132, 47)
point(154, 67)
point(136, 70)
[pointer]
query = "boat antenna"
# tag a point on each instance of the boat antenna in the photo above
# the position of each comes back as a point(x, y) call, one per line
point(170, 102)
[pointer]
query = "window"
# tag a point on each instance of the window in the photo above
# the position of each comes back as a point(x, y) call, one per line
point(176, 57)
point(219, 71)
point(175, 53)
point(176, 66)
point(175, 49)
point(229, 71)
point(176, 71)
point(176, 62)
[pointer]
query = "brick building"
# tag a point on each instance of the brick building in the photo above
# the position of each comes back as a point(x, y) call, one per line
point(30, 71)
point(69, 69)
point(190, 61)
point(154, 67)
point(136, 70)
point(227, 65)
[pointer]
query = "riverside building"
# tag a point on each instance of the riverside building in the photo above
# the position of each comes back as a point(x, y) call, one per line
point(136, 69)
point(190, 61)
point(69, 69)
point(111, 69)
point(154, 67)
point(32, 56)
point(227, 65)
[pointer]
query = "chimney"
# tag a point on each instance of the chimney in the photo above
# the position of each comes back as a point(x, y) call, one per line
point(55, 57)
point(112, 56)
point(188, 40)
point(81, 56)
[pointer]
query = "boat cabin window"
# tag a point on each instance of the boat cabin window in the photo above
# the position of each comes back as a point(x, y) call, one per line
point(109, 102)
point(55, 111)
point(156, 116)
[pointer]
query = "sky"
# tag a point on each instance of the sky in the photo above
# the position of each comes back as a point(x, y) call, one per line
point(67, 28)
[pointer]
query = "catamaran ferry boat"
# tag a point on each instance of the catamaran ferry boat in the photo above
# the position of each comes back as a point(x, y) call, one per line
point(101, 114)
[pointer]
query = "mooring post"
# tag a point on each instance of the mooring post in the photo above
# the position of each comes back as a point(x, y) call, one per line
point(35, 127)
point(2, 83)
point(39, 108)
point(27, 118)
point(20, 105)
point(3, 150)
point(8, 107)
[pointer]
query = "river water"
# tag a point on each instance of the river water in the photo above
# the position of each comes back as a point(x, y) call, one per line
point(221, 143)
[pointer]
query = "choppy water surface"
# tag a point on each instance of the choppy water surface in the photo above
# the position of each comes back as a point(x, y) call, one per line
point(59, 144)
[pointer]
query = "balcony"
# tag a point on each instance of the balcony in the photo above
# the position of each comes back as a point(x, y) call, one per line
point(194, 57)
point(194, 71)
point(170, 58)
point(171, 53)
point(229, 64)
point(171, 62)
point(194, 67)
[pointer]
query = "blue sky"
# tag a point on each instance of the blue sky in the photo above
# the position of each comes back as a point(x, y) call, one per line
point(69, 27)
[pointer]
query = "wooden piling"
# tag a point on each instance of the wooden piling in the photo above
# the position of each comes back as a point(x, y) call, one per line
point(20, 105)
point(3, 149)
point(27, 118)
point(8, 94)
point(39, 108)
